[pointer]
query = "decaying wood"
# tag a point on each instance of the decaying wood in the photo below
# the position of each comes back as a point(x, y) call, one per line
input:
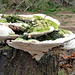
point(36, 49)
point(18, 62)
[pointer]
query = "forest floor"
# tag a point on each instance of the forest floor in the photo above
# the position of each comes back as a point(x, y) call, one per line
point(67, 20)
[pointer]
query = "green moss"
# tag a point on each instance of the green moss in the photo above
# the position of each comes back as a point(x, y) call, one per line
point(11, 34)
point(40, 24)
point(35, 24)
point(53, 24)
point(19, 39)
point(13, 19)
point(30, 40)
point(50, 36)
point(53, 35)
point(63, 31)
point(38, 17)
point(41, 29)
point(44, 22)
point(3, 21)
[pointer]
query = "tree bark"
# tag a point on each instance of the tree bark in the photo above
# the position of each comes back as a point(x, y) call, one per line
point(17, 62)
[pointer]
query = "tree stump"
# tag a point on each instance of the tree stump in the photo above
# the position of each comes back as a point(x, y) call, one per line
point(18, 62)
point(44, 54)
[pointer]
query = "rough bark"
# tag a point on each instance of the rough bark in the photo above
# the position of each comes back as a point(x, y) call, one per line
point(17, 62)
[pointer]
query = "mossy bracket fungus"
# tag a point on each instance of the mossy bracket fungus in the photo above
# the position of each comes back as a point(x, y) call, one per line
point(51, 28)
point(38, 48)
point(5, 32)
point(47, 24)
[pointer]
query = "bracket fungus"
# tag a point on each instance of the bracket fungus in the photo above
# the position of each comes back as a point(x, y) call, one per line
point(36, 34)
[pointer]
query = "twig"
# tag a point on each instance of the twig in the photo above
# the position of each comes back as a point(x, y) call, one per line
point(19, 5)
point(28, 7)
point(37, 4)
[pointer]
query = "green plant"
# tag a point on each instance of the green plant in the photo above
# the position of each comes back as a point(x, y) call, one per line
point(69, 16)
point(3, 21)
point(73, 10)
point(66, 22)
point(59, 15)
